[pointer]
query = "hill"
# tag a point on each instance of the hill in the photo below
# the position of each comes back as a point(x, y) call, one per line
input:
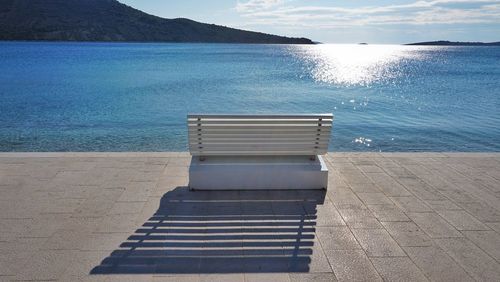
point(450, 43)
point(110, 20)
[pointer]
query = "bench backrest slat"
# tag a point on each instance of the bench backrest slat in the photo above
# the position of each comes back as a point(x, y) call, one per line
point(220, 135)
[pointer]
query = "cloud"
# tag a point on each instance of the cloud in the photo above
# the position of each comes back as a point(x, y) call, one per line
point(252, 6)
point(279, 12)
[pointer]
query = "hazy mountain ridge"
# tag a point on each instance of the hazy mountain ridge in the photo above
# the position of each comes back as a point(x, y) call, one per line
point(458, 43)
point(110, 20)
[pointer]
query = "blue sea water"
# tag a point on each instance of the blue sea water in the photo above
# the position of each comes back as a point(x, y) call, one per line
point(135, 97)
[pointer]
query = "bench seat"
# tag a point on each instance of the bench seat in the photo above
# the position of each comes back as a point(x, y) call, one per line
point(241, 152)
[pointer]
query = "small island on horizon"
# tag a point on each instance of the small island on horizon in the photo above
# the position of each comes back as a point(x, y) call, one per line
point(456, 43)
point(112, 21)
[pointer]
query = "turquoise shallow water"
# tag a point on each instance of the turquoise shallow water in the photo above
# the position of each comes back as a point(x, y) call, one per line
point(135, 97)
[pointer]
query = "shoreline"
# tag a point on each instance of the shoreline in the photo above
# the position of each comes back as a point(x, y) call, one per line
point(163, 154)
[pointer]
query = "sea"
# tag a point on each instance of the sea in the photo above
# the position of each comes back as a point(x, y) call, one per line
point(135, 96)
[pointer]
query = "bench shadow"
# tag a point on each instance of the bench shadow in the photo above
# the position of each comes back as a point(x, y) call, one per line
point(222, 232)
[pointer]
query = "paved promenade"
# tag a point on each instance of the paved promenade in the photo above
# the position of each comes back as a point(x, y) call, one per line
point(130, 217)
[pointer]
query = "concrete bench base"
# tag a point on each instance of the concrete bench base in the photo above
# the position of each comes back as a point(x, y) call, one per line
point(256, 173)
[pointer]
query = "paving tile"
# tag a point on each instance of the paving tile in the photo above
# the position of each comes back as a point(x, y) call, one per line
point(275, 277)
point(82, 265)
point(437, 182)
point(398, 172)
point(179, 161)
point(352, 265)
point(442, 205)
point(398, 269)
point(355, 177)
point(62, 206)
point(388, 185)
point(122, 208)
point(436, 264)
point(434, 225)
point(167, 184)
point(66, 240)
point(46, 265)
point(335, 181)
point(44, 225)
point(312, 277)
point(364, 187)
point(480, 192)
point(356, 218)
point(475, 261)
point(345, 167)
point(345, 199)
point(81, 224)
point(149, 209)
point(482, 177)
point(72, 178)
point(421, 189)
point(318, 261)
point(411, 204)
point(482, 211)
point(388, 213)
point(175, 171)
point(488, 241)
point(146, 176)
point(407, 234)
point(156, 168)
point(28, 243)
point(237, 277)
point(361, 159)
point(494, 225)
point(177, 278)
point(15, 226)
point(462, 220)
point(19, 209)
point(127, 278)
point(336, 238)
point(327, 215)
point(12, 261)
point(374, 198)
point(134, 195)
point(459, 196)
point(417, 169)
point(377, 243)
point(104, 241)
point(369, 168)
point(384, 162)
point(118, 223)
point(99, 204)
point(269, 265)
point(79, 192)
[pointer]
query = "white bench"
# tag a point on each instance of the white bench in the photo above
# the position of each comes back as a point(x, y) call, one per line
point(233, 152)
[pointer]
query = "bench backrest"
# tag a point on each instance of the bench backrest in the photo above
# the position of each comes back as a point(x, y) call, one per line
point(259, 135)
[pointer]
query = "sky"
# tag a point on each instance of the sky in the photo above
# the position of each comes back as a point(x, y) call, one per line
point(344, 21)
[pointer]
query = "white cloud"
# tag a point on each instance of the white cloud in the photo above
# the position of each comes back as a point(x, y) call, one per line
point(252, 6)
point(279, 12)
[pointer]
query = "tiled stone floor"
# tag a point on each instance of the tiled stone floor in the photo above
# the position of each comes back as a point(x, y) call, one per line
point(129, 217)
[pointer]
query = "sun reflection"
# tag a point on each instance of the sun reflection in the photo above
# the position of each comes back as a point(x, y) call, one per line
point(363, 141)
point(355, 64)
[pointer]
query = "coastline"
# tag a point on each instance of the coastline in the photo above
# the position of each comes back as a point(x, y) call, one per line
point(186, 154)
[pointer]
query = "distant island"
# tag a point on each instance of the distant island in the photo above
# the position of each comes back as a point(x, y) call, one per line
point(450, 43)
point(110, 20)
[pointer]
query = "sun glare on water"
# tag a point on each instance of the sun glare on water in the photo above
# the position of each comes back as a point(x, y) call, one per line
point(354, 64)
